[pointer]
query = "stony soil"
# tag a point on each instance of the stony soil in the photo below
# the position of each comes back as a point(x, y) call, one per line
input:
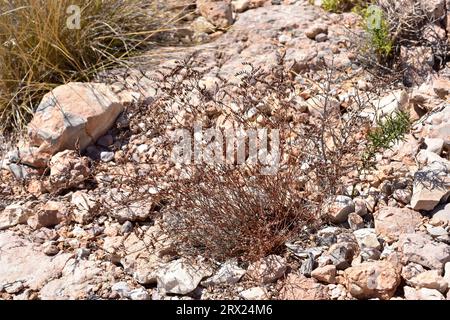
point(391, 241)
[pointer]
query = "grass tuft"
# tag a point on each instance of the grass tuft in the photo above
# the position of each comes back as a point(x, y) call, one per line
point(38, 51)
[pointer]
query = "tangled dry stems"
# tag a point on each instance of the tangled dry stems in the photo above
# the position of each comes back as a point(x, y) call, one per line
point(231, 210)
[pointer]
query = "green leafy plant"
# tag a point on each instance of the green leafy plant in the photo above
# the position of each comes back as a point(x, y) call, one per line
point(391, 129)
point(339, 6)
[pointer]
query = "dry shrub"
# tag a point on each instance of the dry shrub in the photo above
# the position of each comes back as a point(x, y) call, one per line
point(38, 51)
point(231, 210)
point(228, 214)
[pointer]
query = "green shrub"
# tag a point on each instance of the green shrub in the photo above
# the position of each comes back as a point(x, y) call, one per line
point(392, 129)
point(339, 6)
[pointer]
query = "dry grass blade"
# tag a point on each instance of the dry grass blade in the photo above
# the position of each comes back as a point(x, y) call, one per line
point(38, 51)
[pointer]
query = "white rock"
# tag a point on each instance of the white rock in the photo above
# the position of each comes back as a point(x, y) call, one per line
point(441, 215)
point(14, 287)
point(139, 294)
point(21, 260)
point(429, 279)
point(106, 156)
point(229, 273)
point(122, 288)
point(77, 280)
point(240, 5)
point(434, 145)
point(283, 39)
point(436, 231)
point(339, 210)
point(74, 113)
point(402, 195)
point(180, 277)
point(425, 157)
point(395, 101)
point(422, 294)
point(142, 148)
point(420, 248)
point(367, 238)
point(85, 207)
point(201, 25)
point(255, 293)
point(14, 214)
point(387, 251)
point(268, 269)
point(447, 273)
point(431, 185)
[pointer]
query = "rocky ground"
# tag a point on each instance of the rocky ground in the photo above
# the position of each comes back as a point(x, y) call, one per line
point(390, 241)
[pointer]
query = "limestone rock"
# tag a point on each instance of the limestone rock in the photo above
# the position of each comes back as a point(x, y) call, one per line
point(339, 210)
point(201, 25)
point(422, 294)
point(391, 222)
point(67, 170)
point(429, 279)
point(421, 249)
point(315, 30)
point(367, 238)
point(85, 207)
point(268, 269)
point(80, 279)
point(255, 293)
point(437, 125)
point(73, 115)
point(431, 185)
point(240, 5)
point(372, 280)
point(180, 277)
point(217, 12)
point(14, 214)
point(435, 145)
point(21, 259)
point(49, 215)
point(325, 274)
point(298, 287)
point(229, 273)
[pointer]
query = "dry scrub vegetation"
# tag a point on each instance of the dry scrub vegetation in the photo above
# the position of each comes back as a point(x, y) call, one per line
point(220, 211)
point(232, 210)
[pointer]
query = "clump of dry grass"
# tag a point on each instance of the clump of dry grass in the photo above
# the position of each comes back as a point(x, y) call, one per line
point(38, 51)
